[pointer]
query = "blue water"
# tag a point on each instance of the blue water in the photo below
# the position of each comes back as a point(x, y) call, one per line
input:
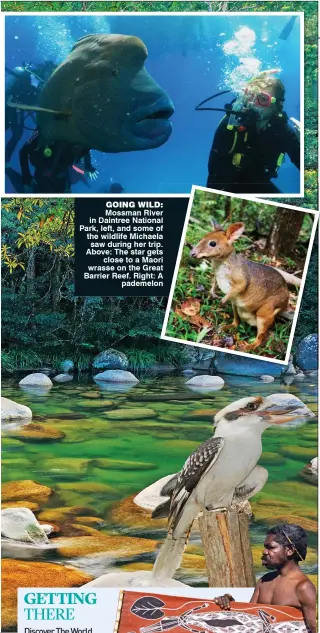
point(187, 57)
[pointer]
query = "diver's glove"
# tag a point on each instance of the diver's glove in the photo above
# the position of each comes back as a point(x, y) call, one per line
point(29, 186)
point(93, 175)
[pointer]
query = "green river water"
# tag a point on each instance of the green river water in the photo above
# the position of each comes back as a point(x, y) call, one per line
point(151, 429)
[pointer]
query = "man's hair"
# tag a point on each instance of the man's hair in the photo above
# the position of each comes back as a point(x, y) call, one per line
point(291, 535)
point(265, 82)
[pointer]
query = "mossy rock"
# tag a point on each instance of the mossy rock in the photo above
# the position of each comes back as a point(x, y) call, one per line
point(201, 413)
point(298, 452)
point(168, 417)
point(65, 514)
point(117, 464)
point(21, 504)
point(38, 433)
point(19, 463)
point(98, 404)
point(94, 522)
point(91, 395)
point(25, 490)
point(131, 414)
point(274, 459)
point(127, 513)
point(10, 443)
point(65, 465)
point(86, 487)
point(117, 547)
point(18, 573)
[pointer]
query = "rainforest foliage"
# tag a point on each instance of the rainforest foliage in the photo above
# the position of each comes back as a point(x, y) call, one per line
point(42, 321)
point(310, 10)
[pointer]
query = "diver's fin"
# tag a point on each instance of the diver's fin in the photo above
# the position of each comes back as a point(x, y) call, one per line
point(23, 106)
point(287, 28)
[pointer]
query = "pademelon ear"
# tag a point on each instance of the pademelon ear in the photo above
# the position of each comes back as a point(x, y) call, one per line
point(234, 231)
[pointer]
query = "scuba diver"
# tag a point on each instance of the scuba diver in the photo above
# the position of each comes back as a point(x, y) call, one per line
point(252, 139)
point(52, 165)
point(19, 87)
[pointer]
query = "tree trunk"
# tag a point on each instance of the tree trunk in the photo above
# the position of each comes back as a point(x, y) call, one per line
point(31, 269)
point(283, 235)
point(227, 208)
point(55, 283)
point(227, 550)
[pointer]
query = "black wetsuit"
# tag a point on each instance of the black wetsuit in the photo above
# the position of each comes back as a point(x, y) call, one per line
point(51, 174)
point(245, 160)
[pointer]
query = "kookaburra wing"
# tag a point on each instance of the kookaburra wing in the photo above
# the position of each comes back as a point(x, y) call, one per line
point(194, 469)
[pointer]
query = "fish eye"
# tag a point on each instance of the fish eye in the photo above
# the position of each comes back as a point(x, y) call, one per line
point(114, 72)
point(213, 244)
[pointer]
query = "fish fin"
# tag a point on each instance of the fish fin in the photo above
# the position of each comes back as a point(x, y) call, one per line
point(23, 106)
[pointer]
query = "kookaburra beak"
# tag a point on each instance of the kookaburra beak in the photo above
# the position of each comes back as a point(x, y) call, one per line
point(279, 414)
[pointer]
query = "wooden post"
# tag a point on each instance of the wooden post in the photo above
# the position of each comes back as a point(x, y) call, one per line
point(227, 550)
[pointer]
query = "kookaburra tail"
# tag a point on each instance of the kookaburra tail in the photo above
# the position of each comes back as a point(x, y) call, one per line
point(221, 471)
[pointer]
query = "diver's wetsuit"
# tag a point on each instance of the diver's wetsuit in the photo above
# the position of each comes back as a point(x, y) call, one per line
point(51, 174)
point(245, 160)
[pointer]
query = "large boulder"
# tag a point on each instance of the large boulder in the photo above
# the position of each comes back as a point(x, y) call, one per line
point(198, 357)
point(11, 410)
point(110, 359)
point(306, 356)
point(66, 366)
point(36, 380)
point(20, 524)
point(243, 366)
point(116, 376)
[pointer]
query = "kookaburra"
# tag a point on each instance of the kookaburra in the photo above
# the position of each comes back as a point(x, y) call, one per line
point(222, 470)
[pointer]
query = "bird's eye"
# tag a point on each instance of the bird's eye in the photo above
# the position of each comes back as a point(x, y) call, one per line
point(213, 244)
point(251, 406)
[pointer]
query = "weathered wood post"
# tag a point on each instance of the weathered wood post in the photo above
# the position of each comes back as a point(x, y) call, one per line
point(226, 542)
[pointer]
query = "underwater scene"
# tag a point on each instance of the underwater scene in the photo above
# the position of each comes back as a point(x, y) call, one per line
point(91, 448)
point(127, 121)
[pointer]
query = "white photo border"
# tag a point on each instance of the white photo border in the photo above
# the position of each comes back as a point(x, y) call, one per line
point(177, 266)
point(208, 14)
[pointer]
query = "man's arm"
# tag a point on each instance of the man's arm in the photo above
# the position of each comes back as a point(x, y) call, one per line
point(293, 147)
point(306, 594)
point(255, 595)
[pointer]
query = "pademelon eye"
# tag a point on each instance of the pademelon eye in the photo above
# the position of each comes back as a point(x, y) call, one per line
point(213, 244)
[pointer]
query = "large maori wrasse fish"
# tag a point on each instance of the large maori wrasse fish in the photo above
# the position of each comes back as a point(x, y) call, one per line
point(101, 97)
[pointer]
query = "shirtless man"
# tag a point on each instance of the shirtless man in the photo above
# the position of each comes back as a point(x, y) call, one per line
point(284, 547)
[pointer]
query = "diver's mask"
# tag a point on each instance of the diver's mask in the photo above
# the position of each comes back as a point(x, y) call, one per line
point(259, 99)
point(244, 111)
